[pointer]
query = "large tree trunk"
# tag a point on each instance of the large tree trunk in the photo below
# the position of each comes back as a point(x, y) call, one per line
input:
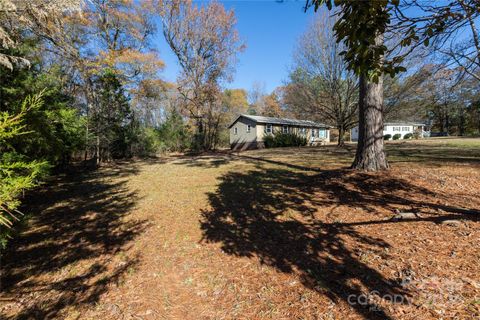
point(199, 138)
point(341, 136)
point(370, 155)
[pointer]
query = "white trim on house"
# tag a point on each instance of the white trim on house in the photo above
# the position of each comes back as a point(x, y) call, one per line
point(402, 128)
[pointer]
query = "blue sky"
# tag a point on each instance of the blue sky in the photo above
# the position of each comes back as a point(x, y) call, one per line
point(269, 29)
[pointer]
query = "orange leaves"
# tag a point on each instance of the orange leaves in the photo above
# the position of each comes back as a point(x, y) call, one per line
point(128, 61)
point(115, 34)
point(134, 56)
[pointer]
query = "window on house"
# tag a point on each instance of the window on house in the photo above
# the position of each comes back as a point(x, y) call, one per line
point(235, 130)
point(285, 129)
point(405, 129)
point(248, 128)
point(268, 128)
point(303, 131)
point(322, 133)
point(396, 128)
point(313, 133)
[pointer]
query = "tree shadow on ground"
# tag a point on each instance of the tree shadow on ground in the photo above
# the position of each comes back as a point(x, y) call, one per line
point(204, 161)
point(433, 153)
point(63, 259)
point(251, 216)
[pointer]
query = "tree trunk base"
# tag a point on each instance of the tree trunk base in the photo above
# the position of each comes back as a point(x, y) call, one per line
point(370, 160)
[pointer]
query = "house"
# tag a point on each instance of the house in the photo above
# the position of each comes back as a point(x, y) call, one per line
point(402, 128)
point(247, 131)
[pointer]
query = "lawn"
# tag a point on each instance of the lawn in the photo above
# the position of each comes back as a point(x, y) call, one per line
point(264, 234)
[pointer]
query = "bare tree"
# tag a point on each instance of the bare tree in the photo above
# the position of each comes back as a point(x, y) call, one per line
point(320, 86)
point(206, 44)
point(256, 98)
point(449, 27)
point(41, 17)
point(466, 53)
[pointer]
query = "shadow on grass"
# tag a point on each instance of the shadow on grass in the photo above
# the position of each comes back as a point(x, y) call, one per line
point(251, 216)
point(424, 152)
point(204, 161)
point(63, 259)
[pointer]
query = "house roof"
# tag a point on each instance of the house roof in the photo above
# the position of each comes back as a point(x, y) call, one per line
point(401, 123)
point(281, 121)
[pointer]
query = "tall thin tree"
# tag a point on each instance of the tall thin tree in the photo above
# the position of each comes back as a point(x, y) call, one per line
point(206, 44)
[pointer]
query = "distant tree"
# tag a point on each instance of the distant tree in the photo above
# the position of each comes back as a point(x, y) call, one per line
point(474, 115)
point(205, 42)
point(273, 104)
point(436, 94)
point(113, 118)
point(256, 98)
point(404, 94)
point(449, 100)
point(152, 100)
point(320, 87)
point(235, 101)
point(174, 134)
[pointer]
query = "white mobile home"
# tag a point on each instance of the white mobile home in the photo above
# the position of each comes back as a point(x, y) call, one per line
point(247, 131)
point(402, 128)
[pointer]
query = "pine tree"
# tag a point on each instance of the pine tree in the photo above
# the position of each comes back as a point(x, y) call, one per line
point(17, 173)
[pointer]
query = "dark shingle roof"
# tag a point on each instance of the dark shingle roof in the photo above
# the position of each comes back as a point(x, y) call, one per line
point(281, 121)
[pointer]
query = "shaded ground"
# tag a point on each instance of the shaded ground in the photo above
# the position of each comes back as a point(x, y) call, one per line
point(266, 234)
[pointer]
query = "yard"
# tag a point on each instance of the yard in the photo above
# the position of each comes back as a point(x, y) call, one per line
point(266, 234)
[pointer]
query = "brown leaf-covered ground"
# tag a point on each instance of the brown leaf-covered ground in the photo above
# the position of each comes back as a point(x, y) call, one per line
point(267, 234)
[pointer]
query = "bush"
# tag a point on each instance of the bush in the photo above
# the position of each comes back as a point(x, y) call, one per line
point(387, 137)
point(397, 136)
point(173, 135)
point(269, 141)
point(284, 140)
point(417, 134)
point(408, 136)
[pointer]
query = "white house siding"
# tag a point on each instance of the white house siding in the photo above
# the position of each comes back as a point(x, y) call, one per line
point(393, 129)
point(398, 129)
